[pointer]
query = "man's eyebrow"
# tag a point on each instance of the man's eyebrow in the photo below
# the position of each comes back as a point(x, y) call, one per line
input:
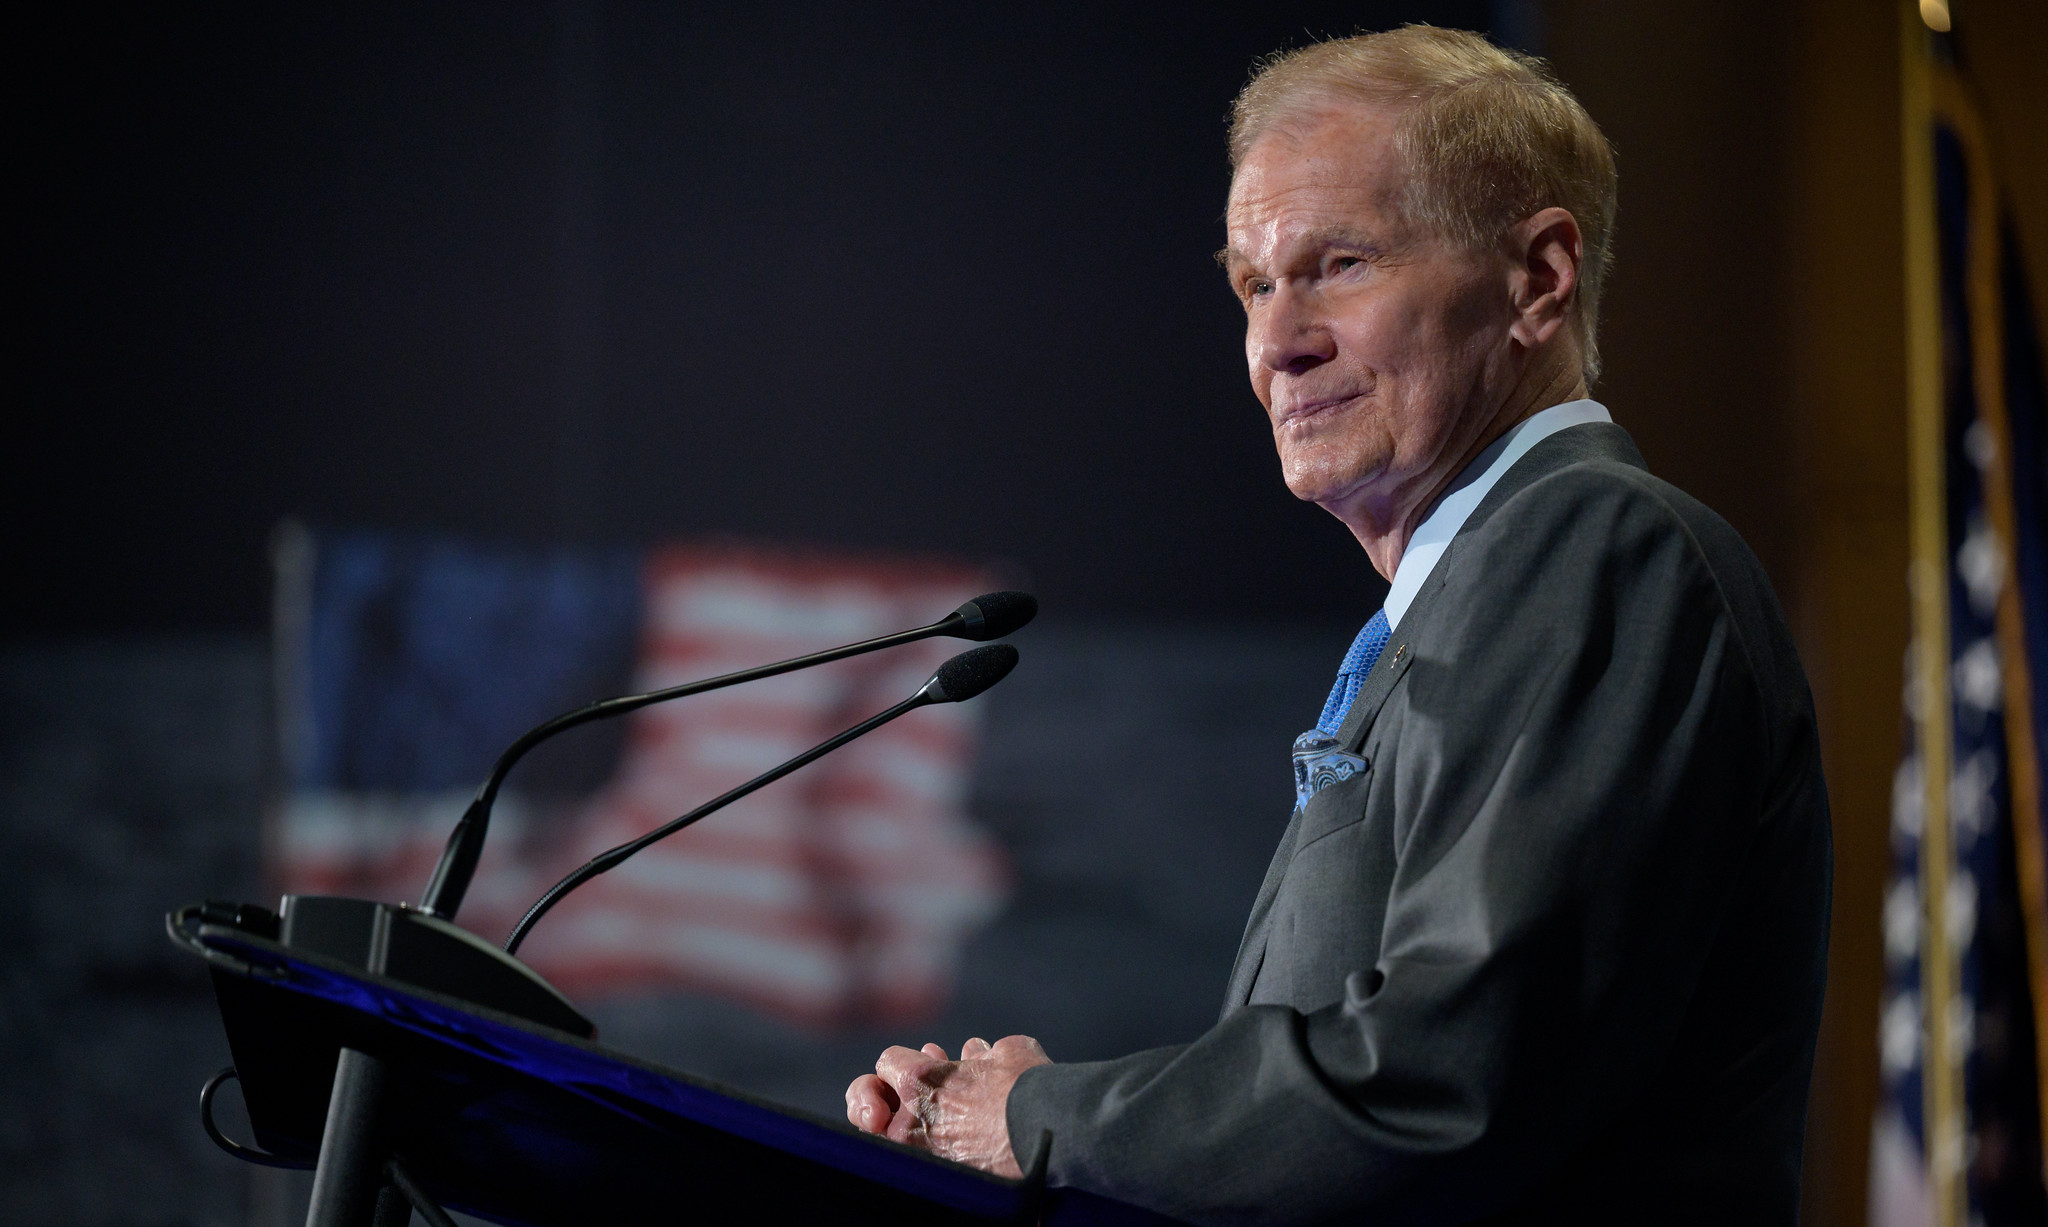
point(1340, 236)
point(1315, 239)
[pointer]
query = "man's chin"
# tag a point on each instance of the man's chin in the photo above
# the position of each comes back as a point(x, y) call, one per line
point(1313, 479)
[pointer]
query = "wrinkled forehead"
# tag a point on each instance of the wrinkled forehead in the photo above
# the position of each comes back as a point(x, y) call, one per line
point(1339, 164)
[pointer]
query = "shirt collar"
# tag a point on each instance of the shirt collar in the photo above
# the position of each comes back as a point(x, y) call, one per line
point(1471, 485)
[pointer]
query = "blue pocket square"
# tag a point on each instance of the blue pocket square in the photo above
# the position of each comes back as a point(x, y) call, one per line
point(1318, 763)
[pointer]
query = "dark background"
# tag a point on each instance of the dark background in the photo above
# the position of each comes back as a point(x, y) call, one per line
point(929, 278)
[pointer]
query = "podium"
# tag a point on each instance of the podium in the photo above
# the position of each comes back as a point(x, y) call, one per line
point(499, 1114)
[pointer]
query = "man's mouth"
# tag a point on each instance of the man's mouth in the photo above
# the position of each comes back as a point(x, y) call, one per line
point(1310, 410)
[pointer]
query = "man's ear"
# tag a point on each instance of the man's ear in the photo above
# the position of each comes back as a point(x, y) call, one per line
point(1543, 252)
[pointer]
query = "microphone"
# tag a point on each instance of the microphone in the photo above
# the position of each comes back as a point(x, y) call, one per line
point(956, 681)
point(989, 616)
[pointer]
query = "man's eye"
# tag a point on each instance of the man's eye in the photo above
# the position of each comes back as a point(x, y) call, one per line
point(1345, 263)
point(1261, 287)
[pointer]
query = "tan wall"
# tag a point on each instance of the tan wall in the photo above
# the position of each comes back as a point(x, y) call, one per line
point(1755, 348)
point(1693, 336)
point(1848, 378)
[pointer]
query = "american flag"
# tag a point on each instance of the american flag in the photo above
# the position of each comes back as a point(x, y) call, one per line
point(1963, 1033)
point(841, 894)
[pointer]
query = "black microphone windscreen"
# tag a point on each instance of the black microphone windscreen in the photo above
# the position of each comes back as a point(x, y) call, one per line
point(993, 615)
point(971, 672)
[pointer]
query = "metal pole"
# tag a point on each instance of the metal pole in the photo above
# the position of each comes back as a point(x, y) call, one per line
point(351, 1171)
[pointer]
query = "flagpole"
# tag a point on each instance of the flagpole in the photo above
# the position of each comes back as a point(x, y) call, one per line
point(1942, 1107)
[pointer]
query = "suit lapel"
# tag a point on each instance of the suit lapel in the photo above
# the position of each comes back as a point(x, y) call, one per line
point(1378, 684)
point(1251, 952)
point(1372, 694)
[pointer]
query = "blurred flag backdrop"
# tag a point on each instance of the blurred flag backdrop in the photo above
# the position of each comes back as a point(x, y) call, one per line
point(840, 895)
point(1963, 1045)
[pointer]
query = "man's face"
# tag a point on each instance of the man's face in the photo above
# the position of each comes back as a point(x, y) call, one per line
point(1377, 349)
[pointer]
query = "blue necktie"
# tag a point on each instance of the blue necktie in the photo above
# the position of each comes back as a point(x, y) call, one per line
point(1318, 759)
point(1358, 662)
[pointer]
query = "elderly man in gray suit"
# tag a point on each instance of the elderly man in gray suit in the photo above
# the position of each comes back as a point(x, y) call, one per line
point(1545, 937)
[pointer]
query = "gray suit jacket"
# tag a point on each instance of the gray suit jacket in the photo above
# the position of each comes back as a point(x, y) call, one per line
point(1557, 951)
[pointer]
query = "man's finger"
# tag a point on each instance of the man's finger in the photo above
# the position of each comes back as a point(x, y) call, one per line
point(974, 1049)
point(870, 1103)
point(935, 1052)
point(905, 1127)
point(900, 1066)
point(1020, 1046)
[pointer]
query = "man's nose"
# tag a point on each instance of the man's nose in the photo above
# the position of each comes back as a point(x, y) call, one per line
point(1289, 336)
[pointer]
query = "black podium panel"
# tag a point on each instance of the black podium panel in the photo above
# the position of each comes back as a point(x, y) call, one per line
point(526, 1125)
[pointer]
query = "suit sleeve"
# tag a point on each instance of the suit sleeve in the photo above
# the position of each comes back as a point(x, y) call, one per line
point(1579, 764)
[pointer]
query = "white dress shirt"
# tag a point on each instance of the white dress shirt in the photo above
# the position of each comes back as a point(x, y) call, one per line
point(1468, 488)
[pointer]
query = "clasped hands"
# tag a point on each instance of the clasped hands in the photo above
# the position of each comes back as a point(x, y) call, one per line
point(955, 1109)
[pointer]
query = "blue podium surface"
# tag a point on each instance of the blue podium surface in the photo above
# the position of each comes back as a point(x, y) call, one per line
point(524, 1124)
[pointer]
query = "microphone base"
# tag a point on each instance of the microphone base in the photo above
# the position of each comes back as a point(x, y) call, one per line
point(391, 940)
point(427, 952)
